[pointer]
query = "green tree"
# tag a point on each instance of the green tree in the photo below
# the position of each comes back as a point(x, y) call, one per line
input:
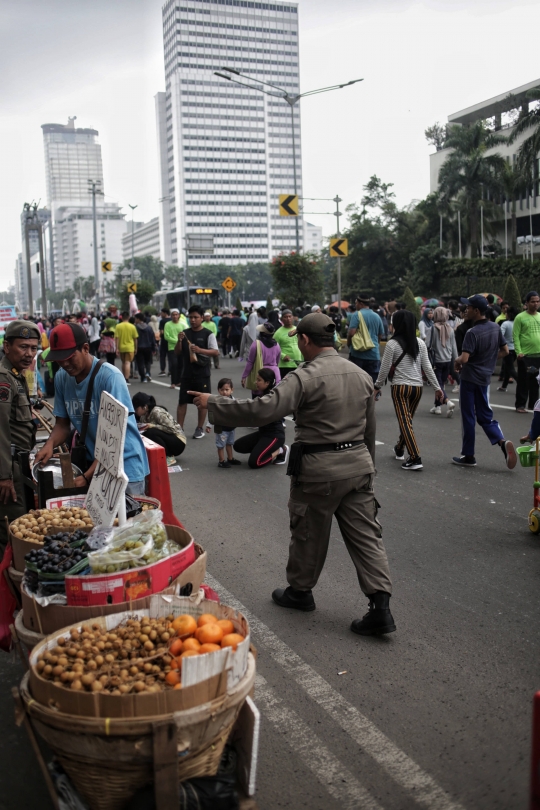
point(472, 176)
point(436, 136)
point(238, 304)
point(512, 294)
point(410, 303)
point(298, 279)
point(529, 121)
point(428, 269)
point(269, 304)
point(145, 291)
point(151, 269)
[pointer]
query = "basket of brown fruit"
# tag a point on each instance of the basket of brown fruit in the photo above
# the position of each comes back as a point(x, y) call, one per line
point(100, 693)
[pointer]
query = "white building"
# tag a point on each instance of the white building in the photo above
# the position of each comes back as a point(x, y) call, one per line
point(72, 158)
point(313, 238)
point(21, 276)
point(226, 151)
point(145, 240)
point(501, 112)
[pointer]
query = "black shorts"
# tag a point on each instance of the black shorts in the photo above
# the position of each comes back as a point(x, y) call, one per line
point(200, 384)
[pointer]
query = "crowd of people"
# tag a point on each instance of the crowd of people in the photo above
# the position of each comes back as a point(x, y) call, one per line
point(324, 370)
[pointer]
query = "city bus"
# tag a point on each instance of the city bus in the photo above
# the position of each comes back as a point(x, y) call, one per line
point(206, 297)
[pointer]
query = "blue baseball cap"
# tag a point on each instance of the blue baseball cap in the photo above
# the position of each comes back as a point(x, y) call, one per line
point(476, 301)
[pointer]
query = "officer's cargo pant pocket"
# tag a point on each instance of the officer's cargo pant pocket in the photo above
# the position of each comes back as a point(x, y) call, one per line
point(297, 511)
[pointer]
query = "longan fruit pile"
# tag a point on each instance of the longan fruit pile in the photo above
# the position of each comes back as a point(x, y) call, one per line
point(35, 525)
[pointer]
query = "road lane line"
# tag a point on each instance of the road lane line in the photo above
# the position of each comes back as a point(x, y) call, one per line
point(421, 787)
point(335, 777)
point(157, 382)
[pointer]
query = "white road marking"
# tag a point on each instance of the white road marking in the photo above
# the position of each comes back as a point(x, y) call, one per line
point(505, 407)
point(338, 780)
point(156, 382)
point(421, 787)
point(376, 442)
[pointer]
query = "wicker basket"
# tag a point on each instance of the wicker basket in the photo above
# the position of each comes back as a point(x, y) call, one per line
point(28, 637)
point(108, 760)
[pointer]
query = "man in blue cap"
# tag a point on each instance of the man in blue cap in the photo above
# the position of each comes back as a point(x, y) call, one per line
point(483, 343)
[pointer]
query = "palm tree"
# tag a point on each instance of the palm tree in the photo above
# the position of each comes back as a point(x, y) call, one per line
point(529, 149)
point(469, 172)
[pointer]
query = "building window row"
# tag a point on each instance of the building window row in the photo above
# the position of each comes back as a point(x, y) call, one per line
point(213, 117)
point(226, 129)
point(241, 149)
point(207, 46)
point(224, 106)
point(215, 138)
point(242, 59)
point(200, 204)
point(226, 171)
point(257, 30)
point(205, 159)
point(202, 83)
point(211, 36)
point(190, 66)
point(225, 191)
point(215, 182)
point(235, 96)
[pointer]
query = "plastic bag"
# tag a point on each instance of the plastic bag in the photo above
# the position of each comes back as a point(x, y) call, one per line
point(141, 541)
point(8, 603)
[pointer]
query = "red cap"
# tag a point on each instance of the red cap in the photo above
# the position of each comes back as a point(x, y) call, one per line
point(64, 341)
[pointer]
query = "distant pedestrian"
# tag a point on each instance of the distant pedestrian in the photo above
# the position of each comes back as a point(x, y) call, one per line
point(264, 353)
point(197, 346)
point(249, 335)
point(163, 347)
point(404, 359)
point(126, 337)
point(171, 331)
point(526, 335)
point(441, 344)
point(291, 356)
point(426, 323)
point(161, 427)
point(508, 371)
point(369, 358)
point(234, 335)
point(146, 346)
point(483, 342)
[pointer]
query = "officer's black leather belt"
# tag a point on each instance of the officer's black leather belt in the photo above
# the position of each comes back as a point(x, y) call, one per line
point(299, 449)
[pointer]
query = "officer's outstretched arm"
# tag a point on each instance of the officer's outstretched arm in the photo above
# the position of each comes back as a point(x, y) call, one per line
point(281, 401)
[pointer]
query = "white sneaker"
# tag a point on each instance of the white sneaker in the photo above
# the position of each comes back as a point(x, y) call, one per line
point(451, 408)
point(455, 389)
point(435, 409)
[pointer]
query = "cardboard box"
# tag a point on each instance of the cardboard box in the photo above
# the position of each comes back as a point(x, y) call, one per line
point(134, 583)
point(204, 678)
point(51, 618)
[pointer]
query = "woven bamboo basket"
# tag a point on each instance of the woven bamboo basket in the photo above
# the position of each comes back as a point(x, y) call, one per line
point(108, 760)
point(28, 637)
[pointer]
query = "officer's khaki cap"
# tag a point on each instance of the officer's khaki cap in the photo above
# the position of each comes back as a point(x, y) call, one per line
point(22, 329)
point(315, 324)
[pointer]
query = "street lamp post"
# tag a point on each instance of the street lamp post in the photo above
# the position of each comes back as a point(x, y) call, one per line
point(291, 100)
point(133, 207)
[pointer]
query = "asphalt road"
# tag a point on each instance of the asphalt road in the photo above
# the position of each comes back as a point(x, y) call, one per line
point(436, 715)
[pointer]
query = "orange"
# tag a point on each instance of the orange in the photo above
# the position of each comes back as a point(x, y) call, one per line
point(205, 618)
point(177, 686)
point(232, 640)
point(172, 677)
point(184, 625)
point(226, 625)
point(187, 654)
point(175, 664)
point(192, 644)
point(208, 648)
point(210, 633)
point(176, 647)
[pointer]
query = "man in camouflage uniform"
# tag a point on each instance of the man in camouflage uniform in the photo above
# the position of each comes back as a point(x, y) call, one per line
point(17, 429)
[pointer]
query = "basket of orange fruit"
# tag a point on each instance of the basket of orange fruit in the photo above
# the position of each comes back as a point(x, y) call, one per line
point(99, 692)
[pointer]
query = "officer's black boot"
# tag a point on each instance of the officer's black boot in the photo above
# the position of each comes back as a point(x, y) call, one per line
point(378, 619)
point(291, 598)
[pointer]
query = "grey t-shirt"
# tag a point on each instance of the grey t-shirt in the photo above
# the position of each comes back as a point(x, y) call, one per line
point(482, 343)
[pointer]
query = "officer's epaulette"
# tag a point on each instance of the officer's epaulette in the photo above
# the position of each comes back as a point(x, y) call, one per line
point(14, 371)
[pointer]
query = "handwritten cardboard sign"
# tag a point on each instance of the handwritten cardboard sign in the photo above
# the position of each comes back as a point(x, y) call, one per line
point(106, 495)
point(111, 434)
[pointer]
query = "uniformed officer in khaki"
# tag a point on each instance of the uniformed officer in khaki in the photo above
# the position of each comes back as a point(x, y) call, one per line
point(331, 467)
point(17, 430)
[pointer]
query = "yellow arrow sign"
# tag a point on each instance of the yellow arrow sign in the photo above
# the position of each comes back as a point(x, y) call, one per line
point(288, 205)
point(339, 247)
point(132, 286)
point(229, 284)
point(106, 267)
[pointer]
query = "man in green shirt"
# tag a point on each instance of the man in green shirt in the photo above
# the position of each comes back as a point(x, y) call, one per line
point(171, 330)
point(527, 347)
point(291, 355)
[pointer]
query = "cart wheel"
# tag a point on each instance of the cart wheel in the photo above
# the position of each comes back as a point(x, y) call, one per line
point(534, 521)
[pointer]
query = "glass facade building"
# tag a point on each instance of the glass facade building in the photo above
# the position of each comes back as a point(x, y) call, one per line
point(226, 152)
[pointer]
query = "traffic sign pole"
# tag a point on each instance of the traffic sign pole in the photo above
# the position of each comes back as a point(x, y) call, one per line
point(337, 201)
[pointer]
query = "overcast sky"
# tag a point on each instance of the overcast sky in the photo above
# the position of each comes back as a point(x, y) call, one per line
point(102, 60)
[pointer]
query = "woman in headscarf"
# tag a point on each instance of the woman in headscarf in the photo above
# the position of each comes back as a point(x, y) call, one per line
point(249, 335)
point(404, 358)
point(273, 318)
point(426, 323)
point(441, 344)
point(264, 352)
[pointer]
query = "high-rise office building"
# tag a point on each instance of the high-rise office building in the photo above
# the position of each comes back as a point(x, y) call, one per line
point(72, 158)
point(226, 152)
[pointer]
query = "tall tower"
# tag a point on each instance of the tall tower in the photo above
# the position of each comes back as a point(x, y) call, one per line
point(226, 152)
point(72, 158)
